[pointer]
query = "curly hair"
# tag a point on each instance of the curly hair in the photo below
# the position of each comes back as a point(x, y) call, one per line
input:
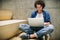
point(39, 2)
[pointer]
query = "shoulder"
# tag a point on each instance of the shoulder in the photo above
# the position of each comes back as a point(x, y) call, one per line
point(34, 12)
point(45, 12)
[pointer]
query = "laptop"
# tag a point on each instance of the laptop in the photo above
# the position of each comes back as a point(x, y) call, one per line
point(36, 22)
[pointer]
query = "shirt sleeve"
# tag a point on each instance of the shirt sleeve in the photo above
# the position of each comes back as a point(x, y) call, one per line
point(47, 17)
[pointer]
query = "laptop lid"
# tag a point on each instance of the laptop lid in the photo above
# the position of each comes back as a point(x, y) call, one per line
point(36, 22)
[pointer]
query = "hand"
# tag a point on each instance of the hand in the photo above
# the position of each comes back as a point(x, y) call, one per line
point(32, 36)
point(47, 23)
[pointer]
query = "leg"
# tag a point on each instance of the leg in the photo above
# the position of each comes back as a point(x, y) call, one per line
point(45, 30)
point(26, 28)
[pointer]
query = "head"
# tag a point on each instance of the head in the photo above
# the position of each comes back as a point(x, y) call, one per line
point(39, 5)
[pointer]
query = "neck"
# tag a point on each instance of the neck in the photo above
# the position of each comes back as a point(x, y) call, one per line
point(40, 12)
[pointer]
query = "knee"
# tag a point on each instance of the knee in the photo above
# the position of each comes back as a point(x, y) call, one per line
point(51, 26)
point(24, 26)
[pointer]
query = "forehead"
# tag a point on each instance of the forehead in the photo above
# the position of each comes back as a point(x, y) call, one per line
point(38, 5)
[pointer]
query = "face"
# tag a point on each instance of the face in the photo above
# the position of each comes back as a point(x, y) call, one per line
point(39, 8)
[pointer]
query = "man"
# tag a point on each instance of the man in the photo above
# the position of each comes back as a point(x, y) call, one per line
point(38, 32)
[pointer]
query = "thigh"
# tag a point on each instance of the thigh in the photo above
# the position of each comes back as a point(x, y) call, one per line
point(49, 27)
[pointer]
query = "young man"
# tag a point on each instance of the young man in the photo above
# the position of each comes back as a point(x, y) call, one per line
point(38, 32)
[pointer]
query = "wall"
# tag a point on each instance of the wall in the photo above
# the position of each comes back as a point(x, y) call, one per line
point(22, 9)
point(53, 6)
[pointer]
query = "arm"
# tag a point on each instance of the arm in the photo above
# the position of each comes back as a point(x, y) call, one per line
point(48, 21)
